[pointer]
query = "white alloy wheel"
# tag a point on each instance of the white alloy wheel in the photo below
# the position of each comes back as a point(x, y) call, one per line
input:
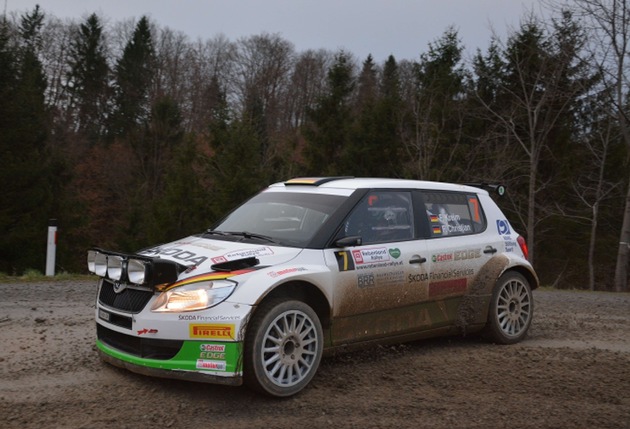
point(284, 348)
point(511, 309)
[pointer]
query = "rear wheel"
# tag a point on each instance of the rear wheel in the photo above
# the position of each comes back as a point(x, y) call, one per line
point(283, 347)
point(511, 309)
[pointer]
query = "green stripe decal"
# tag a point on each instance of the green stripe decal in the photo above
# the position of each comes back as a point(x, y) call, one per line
point(213, 356)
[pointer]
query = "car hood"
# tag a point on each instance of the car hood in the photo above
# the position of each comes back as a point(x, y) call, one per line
point(203, 253)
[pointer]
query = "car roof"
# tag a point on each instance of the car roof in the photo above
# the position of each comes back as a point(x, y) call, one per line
point(352, 183)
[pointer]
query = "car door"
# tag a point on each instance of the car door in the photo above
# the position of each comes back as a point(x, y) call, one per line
point(455, 250)
point(379, 282)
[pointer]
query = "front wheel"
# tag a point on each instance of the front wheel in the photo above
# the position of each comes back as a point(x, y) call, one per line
point(283, 347)
point(511, 309)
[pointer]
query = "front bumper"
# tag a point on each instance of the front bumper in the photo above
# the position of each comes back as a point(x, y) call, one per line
point(200, 361)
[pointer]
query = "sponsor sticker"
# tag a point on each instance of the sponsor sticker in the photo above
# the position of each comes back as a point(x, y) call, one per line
point(285, 271)
point(211, 365)
point(244, 253)
point(442, 257)
point(176, 253)
point(212, 331)
point(370, 256)
point(447, 287)
point(200, 318)
point(461, 255)
point(394, 253)
point(212, 348)
point(503, 227)
point(365, 280)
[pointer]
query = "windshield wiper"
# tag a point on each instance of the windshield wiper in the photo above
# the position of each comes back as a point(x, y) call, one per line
point(212, 232)
point(244, 234)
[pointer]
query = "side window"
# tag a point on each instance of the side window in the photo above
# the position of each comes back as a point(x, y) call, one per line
point(452, 213)
point(382, 216)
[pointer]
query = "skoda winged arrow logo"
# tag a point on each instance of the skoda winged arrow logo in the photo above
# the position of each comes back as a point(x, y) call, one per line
point(119, 287)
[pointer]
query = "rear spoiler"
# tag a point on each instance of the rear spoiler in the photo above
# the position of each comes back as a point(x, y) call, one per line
point(490, 187)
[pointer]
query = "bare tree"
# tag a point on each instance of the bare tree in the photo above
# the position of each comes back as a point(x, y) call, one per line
point(592, 188)
point(55, 54)
point(608, 23)
point(307, 82)
point(171, 50)
point(536, 99)
point(210, 69)
point(263, 68)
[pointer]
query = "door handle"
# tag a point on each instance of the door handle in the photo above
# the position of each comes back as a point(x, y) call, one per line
point(491, 250)
point(417, 260)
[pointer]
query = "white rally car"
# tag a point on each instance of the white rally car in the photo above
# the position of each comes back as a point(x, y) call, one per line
point(313, 266)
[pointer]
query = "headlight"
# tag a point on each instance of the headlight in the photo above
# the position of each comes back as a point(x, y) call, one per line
point(196, 296)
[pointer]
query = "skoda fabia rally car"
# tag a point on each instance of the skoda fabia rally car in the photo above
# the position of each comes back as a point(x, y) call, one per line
point(313, 266)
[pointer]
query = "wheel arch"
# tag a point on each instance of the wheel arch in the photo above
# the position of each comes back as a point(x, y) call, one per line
point(473, 309)
point(529, 275)
point(302, 291)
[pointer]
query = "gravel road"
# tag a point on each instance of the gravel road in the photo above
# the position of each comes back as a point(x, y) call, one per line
point(572, 371)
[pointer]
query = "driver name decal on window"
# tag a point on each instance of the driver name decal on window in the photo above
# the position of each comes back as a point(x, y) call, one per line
point(452, 213)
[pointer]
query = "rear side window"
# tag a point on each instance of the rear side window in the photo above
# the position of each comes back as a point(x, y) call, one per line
point(452, 213)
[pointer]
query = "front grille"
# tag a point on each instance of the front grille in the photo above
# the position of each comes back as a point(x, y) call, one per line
point(141, 347)
point(129, 300)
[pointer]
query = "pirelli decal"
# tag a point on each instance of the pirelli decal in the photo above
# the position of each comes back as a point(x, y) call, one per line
point(212, 331)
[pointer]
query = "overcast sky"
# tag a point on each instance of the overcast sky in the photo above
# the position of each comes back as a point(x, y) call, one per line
point(403, 28)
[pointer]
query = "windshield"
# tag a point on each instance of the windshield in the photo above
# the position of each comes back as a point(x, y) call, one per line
point(290, 219)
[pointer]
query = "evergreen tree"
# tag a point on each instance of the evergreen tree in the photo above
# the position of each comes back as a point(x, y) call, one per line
point(154, 151)
point(26, 196)
point(327, 132)
point(134, 73)
point(88, 79)
point(388, 116)
point(373, 145)
point(185, 207)
point(235, 168)
point(435, 117)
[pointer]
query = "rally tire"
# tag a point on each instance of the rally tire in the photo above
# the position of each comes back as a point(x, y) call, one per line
point(511, 309)
point(283, 347)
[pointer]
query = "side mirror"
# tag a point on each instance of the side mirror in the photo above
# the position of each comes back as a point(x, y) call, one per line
point(351, 240)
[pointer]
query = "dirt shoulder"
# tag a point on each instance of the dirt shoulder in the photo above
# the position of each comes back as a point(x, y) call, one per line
point(572, 371)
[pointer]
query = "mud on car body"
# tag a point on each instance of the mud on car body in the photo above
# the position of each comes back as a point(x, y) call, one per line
point(312, 266)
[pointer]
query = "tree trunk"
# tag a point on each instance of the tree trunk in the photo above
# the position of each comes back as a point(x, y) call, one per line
point(591, 247)
point(531, 205)
point(623, 254)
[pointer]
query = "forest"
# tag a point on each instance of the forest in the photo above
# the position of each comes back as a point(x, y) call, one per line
point(131, 134)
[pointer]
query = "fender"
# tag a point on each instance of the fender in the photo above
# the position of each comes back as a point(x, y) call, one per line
point(473, 308)
point(271, 278)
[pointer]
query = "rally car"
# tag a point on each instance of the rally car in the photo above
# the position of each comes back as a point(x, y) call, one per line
point(313, 266)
